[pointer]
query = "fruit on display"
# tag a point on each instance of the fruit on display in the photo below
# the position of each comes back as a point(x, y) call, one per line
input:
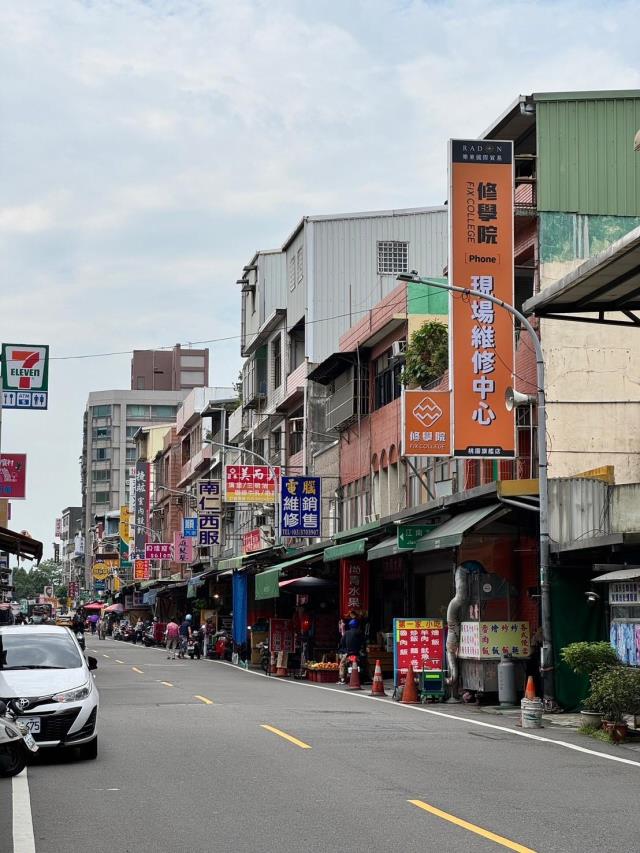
point(325, 667)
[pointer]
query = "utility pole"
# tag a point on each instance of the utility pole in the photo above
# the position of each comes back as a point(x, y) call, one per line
point(546, 663)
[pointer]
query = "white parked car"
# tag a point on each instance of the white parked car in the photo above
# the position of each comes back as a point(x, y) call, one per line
point(49, 683)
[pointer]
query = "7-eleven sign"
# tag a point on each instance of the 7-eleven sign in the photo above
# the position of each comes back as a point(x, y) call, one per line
point(25, 376)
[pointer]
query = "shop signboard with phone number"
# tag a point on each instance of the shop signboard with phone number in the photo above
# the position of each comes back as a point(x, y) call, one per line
point(419, 642)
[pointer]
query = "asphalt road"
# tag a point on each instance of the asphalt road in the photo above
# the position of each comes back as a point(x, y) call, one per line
point(186, 762)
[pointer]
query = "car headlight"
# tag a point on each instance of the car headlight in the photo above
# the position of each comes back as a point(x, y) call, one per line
point(75, 695)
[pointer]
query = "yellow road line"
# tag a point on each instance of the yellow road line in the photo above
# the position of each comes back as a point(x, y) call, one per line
point(485, 833)
point(167, 683)
point(290, 738)
point(203, 699)
point(119, 661)
point(135, 669)
point(105, 656)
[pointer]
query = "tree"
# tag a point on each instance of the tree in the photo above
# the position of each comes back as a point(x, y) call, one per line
point(427, 354)
point(31, 582)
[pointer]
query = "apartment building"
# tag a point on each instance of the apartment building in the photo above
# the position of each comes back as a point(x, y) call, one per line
point(71, 527)
point(296, 303)
point(169, 370)
point(111, 420)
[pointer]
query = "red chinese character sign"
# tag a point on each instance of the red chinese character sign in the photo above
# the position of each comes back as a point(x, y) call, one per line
point(280, 635)
point(158, 551)
point(481, 333)
point(419, 642)
point(251, 484)
point(354, 587)
point(141, 570)
point(13, 479)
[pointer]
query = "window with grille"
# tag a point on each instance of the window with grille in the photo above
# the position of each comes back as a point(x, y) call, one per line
point(300, 264)
point(388, 385)
point(292, 273)
point(276, 355)
point(393, 257)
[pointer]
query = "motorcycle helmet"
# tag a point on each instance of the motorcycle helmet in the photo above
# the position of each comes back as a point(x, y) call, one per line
point(353, 623)
point(188, 617)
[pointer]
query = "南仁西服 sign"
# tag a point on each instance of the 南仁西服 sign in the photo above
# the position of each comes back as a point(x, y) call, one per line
point(481, 333)
point(209, 508)
point(25, 376)
point(300, 506)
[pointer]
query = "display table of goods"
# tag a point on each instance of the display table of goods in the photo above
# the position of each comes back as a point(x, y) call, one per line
point(322, 672)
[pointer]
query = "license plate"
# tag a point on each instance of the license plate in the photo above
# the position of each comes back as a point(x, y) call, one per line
point(31, 724)
point(30, 742)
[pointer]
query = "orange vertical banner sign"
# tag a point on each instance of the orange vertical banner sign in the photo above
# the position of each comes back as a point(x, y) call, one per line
point(481, 333)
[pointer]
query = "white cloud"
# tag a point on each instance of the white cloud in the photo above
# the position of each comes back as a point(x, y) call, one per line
point(149, 148)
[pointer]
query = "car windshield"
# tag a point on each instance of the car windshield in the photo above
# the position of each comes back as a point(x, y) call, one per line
point(38, 651)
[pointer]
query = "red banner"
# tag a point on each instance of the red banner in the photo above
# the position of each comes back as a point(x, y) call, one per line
point(354, 586)
point(253, 541)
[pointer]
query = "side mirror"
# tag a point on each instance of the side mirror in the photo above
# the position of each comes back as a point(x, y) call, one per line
point(92, 662)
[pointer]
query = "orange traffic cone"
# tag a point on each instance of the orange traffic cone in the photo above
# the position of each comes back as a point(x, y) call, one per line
point(377, 688)
point(354, 681)
point(409, 693)
point(530, 692)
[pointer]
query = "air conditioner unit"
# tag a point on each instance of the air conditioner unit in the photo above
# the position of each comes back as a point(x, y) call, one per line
point(398, 349)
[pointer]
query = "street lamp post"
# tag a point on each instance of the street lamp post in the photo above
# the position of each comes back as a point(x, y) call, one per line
point(546, 663)
point(272, 471)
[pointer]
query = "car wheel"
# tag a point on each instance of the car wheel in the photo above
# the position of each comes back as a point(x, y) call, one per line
point(89, 751)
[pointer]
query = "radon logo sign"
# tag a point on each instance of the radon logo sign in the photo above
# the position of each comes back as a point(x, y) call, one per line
point(25, 376)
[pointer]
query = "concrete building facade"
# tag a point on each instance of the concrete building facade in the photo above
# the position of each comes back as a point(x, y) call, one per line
point(169, 370)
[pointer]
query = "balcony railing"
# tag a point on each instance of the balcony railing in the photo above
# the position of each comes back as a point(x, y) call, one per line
point(526, 182)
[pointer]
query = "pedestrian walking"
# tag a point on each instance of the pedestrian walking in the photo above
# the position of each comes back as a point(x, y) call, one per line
point(352, 643)
point(185, 635)
point(172, 633)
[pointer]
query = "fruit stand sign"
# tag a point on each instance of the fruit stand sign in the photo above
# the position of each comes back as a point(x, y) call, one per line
point(280, 635)
point(25, 376)
point(419, 642)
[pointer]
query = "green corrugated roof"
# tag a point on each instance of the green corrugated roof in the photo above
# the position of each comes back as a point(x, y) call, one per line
point(347, 549)
point(450, 534)
point(386, 548)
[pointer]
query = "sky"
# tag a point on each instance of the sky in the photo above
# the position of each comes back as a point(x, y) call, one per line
point(149, 147)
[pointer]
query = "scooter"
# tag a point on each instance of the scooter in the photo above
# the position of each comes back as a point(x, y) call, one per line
point(223, 647)
point(193, 647)
point(80, 639)
point(265, 656)
point(16, 741)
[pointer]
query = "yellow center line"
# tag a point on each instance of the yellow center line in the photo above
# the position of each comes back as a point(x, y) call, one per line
point(119, 661)
point(485, 833)
point(105, 656)
point(290, 738)
point(203, 699)
point(167, 683)
point(135, 669)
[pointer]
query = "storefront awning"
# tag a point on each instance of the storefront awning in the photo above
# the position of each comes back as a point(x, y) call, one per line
point(267, 581)
point(387, 548)
point(450, 534)
point(608, 282)
point(20, 545)
point(629, 574)
point(347, 549)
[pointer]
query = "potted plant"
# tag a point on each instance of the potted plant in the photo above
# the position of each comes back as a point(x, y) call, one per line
point(586, 659)
point(614, 693)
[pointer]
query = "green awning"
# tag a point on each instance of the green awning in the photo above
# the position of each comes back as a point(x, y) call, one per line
point(348, 549)
point(267, 584)
point(267, 581)
point(387, 548)
point(450, 534)
point(230, 563)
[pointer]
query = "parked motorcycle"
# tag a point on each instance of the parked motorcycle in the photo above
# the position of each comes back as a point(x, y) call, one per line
point(265, 656)
point(16, 741)
point(223, 645)
point(193, 647)
point(80, 639)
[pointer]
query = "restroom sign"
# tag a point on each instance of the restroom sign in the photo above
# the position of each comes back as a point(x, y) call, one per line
point(25, 376)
